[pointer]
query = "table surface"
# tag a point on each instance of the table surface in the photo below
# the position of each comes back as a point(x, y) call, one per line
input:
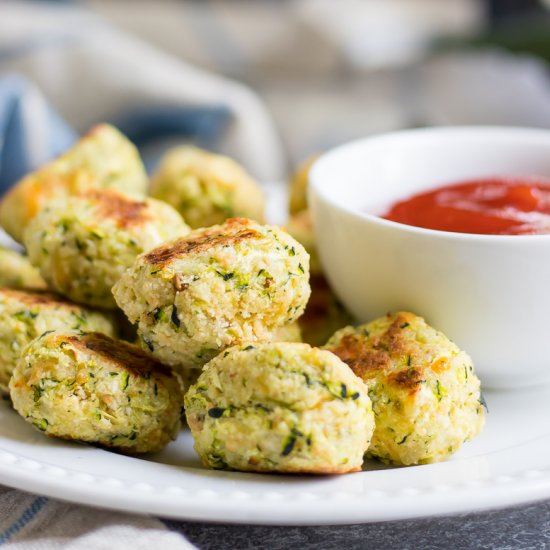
point(522, 527)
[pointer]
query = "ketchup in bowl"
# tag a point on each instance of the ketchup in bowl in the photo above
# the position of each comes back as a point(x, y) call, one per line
point(492, 206)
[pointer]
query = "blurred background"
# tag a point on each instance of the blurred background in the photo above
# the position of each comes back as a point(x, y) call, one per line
point(316, 73)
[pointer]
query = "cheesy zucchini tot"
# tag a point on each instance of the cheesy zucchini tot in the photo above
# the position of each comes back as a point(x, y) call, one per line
point(324, 313)
point(281, 407)
point(206, 188)
point(82, 244)
point(425, 395)
point(298, 186)
point(88, 387)
point(103, 158)
point(217, 287)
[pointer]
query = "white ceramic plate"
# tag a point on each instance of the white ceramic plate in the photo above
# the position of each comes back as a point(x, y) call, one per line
point(508, 464)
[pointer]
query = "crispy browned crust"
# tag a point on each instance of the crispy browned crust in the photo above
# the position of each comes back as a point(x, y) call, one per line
point(116, 352)
point(114, 205)
point(391, 352)
point(363, 360)
point(37, 298)
point(408, 379)
point(233, 231)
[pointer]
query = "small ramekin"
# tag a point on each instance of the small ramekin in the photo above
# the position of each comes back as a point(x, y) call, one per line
point(488, 293)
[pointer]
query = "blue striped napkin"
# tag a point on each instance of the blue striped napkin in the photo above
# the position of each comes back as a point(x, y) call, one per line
point(40, 523)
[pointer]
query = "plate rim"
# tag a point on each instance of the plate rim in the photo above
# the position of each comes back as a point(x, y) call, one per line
point(275, 508)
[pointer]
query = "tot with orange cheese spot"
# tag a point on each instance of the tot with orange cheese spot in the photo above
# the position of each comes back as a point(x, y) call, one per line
point(24, 315)
point(83, 243)
point(425, 395)
point(103, 158)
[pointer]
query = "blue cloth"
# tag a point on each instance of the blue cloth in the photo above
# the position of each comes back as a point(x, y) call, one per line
point(24, 146)
point(148, 126)
point(41, 523)
point(31, 132)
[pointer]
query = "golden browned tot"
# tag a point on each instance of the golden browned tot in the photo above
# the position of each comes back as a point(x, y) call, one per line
point(83, 243)
point(88, 387)
point(24, 315)
point(425, 395)
point(229, 284)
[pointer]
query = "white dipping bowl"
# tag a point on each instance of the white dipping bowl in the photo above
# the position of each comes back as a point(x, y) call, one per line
point(488, 293)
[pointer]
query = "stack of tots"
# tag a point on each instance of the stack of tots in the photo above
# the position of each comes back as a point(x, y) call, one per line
point(219, 303)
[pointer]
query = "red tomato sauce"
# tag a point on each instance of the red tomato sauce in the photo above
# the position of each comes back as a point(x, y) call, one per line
point(492, 206)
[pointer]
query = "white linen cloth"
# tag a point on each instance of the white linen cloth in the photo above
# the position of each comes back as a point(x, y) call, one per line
point(31, 522)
